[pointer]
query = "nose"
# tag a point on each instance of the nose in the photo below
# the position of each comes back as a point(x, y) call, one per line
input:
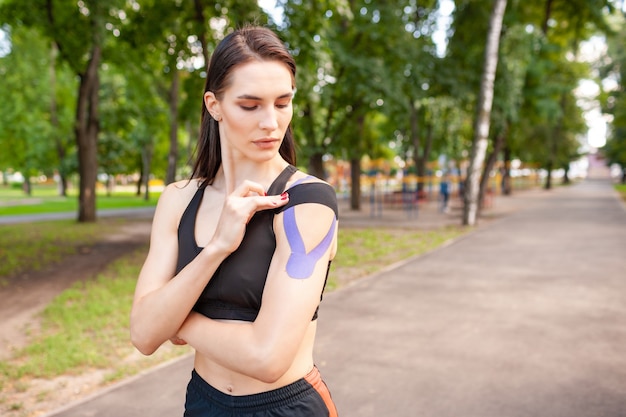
point(269, 119)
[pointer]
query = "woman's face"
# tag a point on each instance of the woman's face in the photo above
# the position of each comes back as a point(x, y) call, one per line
point(255, 110)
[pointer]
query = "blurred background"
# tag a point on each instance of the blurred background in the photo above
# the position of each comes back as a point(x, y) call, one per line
point(99, 96)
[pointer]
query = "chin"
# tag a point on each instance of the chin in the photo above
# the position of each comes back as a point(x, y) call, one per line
point(266, 156)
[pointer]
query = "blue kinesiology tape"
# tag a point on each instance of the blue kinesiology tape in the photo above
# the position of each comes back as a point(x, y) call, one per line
point(301, 264)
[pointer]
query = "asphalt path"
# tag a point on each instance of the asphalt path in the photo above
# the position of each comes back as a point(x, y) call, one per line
point(522, 317)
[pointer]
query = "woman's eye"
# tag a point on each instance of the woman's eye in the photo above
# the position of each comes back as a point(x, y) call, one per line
point(248, 108)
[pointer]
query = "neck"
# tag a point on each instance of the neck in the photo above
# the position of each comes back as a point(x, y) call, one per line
point(234, 172)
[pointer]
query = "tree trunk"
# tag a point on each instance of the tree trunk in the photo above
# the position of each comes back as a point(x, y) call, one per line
point(355, 188)
point(54, 121)
point(201, 30)
point(416, 141)
point(507, 187)
point(140, 179)
point(316, 165)
point(110, 184)
point(87, 126)
point(546, 16)
point(483, 114)
point(27, 186)
point(566, 179)
point(422, 157)
point(428, 146)
point(552, 152)
point(491, 162)
point(172, 157)
point(193, 134)
point(548, 185)
point(146, 157)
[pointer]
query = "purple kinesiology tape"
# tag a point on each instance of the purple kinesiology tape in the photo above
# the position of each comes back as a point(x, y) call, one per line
point(301, 264)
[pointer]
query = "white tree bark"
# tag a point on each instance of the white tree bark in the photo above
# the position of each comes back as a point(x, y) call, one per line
point(483, 115)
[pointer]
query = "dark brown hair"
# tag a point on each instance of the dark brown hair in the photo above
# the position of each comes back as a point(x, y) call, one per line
point(239, 47)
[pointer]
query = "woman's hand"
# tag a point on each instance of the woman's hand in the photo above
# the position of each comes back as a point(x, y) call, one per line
point(239, 207)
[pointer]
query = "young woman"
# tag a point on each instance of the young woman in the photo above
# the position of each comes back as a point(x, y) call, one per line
point(239, 254)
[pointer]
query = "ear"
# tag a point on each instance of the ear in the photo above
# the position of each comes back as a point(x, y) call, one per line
point(212, 105)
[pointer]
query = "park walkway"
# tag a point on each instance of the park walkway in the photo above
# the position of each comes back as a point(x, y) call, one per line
point(523, 317)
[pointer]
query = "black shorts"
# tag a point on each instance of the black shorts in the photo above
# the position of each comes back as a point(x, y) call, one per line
point(307, 397)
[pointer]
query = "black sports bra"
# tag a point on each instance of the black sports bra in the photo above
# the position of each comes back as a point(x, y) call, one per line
point(235, 290)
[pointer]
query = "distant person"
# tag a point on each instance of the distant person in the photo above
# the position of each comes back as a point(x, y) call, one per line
point(444, 193)
point(240, 253)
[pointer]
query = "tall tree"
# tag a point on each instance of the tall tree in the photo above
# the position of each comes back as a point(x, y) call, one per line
point(483, 114)
point(553, 75)
point(35, 114)
point(79, 31)
point(515, 56)
point(614, 100)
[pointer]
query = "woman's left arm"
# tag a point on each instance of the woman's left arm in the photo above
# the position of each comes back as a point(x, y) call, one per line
point(306, 239)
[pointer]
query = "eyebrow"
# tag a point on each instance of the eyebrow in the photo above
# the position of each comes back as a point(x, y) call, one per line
point(251, 97)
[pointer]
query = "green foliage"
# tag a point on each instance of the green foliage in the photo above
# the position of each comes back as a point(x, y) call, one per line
point(364, 68)
point(615, 149)
point(356, 59)
point(27, 136)
point(551, 120)
point(614, 101)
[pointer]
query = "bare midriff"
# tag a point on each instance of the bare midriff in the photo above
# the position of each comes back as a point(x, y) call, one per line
point(235, 383)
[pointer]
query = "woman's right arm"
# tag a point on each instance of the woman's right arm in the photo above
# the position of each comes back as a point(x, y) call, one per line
point(163, 301)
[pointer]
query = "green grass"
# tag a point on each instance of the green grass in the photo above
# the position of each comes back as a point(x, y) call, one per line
point(621, 188)
point(86, 326)
point(365, 251)
point(44, 199)
point(83, 328)
point(32, 246)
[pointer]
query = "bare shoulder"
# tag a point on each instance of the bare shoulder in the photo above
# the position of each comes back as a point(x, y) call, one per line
point(180, 190)
point(175, 198)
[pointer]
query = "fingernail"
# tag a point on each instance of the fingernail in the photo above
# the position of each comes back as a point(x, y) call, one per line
point(284, 196)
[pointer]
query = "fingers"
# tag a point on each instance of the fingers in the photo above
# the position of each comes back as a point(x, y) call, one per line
point(245, 207)
point(239, 207)
point(272, 201)
point(254, 198)
point(248, 189)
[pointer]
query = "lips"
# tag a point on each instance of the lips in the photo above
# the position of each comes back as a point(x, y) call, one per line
point(266, 143)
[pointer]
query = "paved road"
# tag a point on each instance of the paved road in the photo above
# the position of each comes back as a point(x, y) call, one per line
point(524, 317)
